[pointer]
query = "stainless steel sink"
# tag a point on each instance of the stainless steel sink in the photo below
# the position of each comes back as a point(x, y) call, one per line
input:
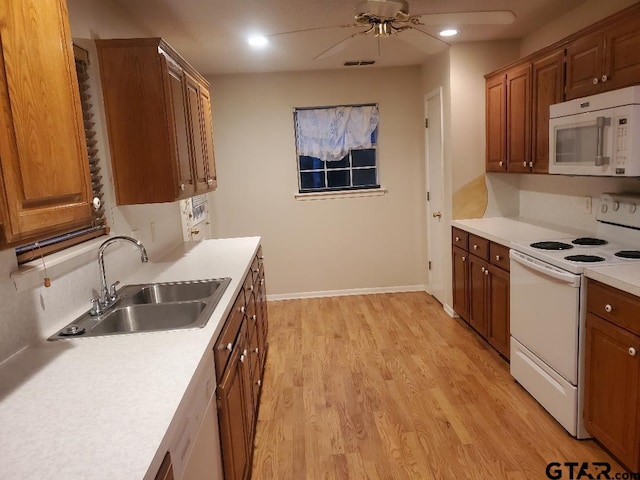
point(152, 307)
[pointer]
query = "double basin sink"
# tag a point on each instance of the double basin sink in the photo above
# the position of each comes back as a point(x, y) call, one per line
point(152, 307)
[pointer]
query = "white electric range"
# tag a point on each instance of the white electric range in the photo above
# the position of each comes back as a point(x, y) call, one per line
point(547, 306)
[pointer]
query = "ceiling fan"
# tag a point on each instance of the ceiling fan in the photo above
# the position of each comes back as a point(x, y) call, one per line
point(385, 18)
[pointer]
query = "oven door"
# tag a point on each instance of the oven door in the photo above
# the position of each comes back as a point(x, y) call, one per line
point(582, 144)
point(545, 312)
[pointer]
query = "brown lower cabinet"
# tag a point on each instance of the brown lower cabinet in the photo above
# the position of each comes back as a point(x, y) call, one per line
point(240, 354)
point(481, 287)
point(612, 372)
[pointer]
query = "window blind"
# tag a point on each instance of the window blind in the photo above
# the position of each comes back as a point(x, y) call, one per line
point(98, 224)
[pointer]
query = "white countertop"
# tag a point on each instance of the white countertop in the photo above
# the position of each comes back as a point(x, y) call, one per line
point(102, 407)
point(505, 231)
point(622, 277)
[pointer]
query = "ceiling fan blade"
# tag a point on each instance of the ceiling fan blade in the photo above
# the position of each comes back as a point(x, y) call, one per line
point(338, 47)
point(351, 25)
point(495, 17)
point(422, 40)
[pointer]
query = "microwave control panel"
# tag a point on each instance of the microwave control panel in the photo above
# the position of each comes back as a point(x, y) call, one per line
point(622, 144)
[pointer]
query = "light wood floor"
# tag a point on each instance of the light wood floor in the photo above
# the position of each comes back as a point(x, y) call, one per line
point(390, 387)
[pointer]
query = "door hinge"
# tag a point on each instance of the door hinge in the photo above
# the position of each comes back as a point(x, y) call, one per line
point(428, 196)
point(426, 123)
point(429, 264)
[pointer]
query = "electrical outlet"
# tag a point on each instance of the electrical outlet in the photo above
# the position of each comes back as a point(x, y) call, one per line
point(587, 204)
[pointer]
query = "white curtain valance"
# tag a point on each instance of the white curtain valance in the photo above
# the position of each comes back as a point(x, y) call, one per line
point(329, 133)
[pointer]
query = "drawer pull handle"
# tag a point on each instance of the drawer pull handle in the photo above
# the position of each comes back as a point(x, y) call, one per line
point(498, 258)
point(475, 247)
point(632, 351)
point(608, 308)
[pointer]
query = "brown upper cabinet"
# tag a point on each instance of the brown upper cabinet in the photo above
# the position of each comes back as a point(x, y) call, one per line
point(45, 185)
point(602, 57)
point(606, 59)
point(159, 121)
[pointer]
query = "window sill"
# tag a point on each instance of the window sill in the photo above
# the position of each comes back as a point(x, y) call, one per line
point(373, 192)
point(31, 274)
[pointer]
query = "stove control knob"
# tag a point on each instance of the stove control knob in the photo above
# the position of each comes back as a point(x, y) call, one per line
point(616, 206)
point(604, 208)
point(632, 208)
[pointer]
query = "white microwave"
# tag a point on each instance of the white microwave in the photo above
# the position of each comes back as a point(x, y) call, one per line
point(596, 135)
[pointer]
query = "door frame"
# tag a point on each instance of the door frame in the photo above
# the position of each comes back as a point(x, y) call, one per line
point(429, 183)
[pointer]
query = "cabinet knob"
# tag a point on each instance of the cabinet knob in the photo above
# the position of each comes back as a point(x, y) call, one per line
point(595, 81)
point(486, 272)
point(632, 351)
point(242, 358)
point(259, 382)
point(475, 247)
point(182, 187)
point(608, 308)
point(254, 317)
point(262, 281)
point(498, 258)
point(229, 346)
point(524, 164)
point(210, 181)
point(457, 239)
point(243, 309)
point(604, 78)
point(464, 259)
point(261, 257)
point(257, 350)
point(482, 269)
point(530, 164)
point(500, 163)
point(251, 287)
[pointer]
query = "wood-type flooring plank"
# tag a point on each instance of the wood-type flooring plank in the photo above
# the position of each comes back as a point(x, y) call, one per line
point(390, 387)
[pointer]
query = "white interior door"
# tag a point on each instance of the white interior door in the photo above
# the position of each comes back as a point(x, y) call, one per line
point(436, 224)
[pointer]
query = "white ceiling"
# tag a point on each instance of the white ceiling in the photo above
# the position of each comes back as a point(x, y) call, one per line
point(211, 34)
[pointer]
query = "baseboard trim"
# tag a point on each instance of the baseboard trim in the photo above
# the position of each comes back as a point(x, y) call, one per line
point(344, 293)
point(449, 311)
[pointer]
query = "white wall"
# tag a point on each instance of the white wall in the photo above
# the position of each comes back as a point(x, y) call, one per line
point(29, 315)
point(331, 244)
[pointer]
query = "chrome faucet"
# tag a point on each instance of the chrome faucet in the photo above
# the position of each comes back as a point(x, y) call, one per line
point(109, 295)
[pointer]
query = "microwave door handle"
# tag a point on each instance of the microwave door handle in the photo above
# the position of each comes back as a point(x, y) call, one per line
point(601, 122)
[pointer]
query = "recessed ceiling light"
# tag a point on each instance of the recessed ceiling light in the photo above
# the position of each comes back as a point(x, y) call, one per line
point(450, 32)
point(258, 41)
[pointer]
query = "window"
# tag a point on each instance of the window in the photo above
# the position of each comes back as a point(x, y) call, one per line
point(337, 148)
point(98, 224)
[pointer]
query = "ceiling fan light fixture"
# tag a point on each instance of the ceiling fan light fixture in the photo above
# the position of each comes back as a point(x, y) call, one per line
point(258, 41)
point(449, 32)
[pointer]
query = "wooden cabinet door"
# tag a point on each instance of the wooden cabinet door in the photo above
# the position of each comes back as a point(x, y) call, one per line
point(548, 84)
point(247, 383)
point(461, 282)
point(519, 119)
point(178, 102)
point(622, 57)
point(495, 124)
point(478, 294)
point(498, 311)
point(207, 127)
point(584, 68)
point(232, 422)
point(611, 389)
point(43, 153)
point(198, 148)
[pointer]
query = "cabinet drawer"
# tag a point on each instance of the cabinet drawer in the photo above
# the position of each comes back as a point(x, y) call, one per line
point(499, 255)
point(479, 246)
point(227, 343)
point(614, 305)
point(459, 238)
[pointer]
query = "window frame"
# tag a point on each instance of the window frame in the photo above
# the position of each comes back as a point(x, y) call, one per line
point(326, 190)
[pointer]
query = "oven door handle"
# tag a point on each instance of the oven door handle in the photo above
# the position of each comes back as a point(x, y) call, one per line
point(528, 262)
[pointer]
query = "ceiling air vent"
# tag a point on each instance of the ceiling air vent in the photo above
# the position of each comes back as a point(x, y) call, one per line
point(355, 63)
